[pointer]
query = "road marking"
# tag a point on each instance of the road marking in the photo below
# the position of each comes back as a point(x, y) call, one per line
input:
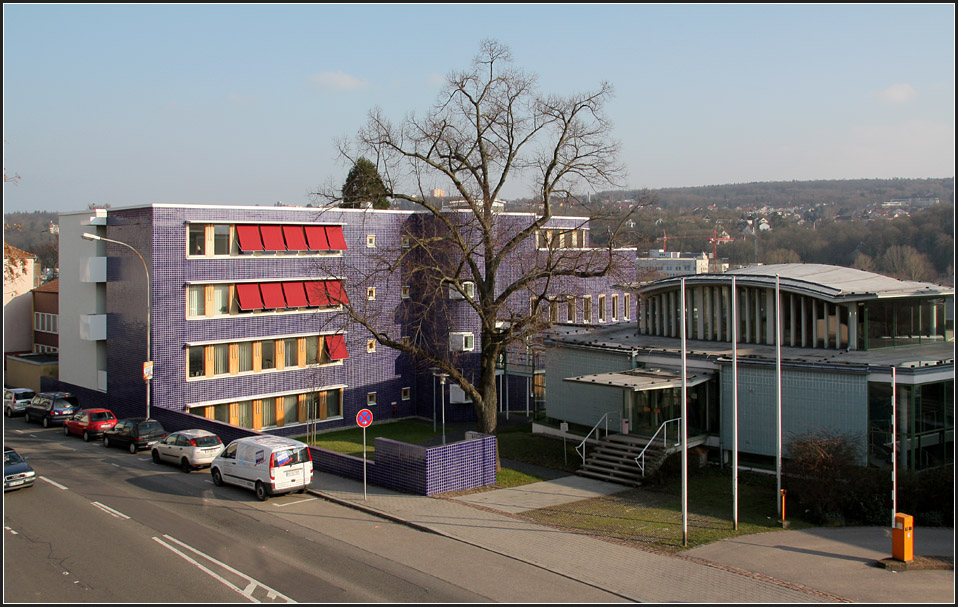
point(57, 485)
point(10, 529)
point(299, 501)
point(251, 586)
point(110, 511)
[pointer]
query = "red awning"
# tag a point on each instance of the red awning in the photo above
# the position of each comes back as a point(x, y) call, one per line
point(336, 345)
point(273, 238)
point(337, 295)
point(295, 238)
point(316, 237)
point(336, 240)
point(249, 297)
point(295, 295)
point(273, 295)
point(316, 293)
point(249, 239)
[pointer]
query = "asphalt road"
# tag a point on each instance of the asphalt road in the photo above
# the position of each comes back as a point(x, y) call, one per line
point(104, 526)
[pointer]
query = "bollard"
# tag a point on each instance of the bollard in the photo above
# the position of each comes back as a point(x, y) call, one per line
point(902, 540)
point(783, 522)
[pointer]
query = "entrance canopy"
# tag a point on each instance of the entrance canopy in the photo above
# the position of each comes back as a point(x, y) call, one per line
point(641, 380)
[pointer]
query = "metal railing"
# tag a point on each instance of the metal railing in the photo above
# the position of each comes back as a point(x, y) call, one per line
point(640, 458)
point(581, 448)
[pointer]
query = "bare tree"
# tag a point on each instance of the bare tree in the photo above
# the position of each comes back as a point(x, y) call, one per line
point(906, 263)
point(489, 127)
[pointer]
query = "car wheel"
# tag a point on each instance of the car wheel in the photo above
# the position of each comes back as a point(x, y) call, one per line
point(9, 412)
point(133, 448)
point(301, 491)
point(156, 456)
point(46, 422)
point(217, 477)
point(185, 465)
point(106, 441)
point(86, 436)
point(261, 493)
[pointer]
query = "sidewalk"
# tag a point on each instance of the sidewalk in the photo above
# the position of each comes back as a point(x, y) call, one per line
point(778, 567)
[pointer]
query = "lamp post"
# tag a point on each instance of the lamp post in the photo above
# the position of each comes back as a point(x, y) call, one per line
point(149, 311)
point(442, 395)
point(435, 372)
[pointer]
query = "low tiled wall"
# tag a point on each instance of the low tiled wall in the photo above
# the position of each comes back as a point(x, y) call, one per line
point(418, 470)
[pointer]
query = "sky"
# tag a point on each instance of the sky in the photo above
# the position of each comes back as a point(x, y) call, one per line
point(244, 103)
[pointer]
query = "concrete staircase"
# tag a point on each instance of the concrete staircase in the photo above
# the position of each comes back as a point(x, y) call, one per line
point(613, 459)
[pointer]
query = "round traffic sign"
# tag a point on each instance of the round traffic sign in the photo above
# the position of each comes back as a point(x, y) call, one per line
point(364, 417)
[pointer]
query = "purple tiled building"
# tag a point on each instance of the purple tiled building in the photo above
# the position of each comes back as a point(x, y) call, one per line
point(245, 323)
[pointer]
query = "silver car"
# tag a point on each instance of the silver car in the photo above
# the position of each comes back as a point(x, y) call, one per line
point(15, 400)
point(190, 449)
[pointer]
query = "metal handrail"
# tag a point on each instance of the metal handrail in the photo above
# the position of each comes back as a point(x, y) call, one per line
point(581, 448)
point(665, 434)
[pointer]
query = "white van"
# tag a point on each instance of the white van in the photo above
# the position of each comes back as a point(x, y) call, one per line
point(269, 465)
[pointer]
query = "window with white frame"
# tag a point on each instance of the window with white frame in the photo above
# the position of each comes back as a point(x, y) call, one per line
point(615, 308)
point(587, 308)
point(370, 293)
point(625, 306)
point(406, 393)
point(370, 345)
point(45, 322)
point(462, 341)
point(601, 308)
point(370, 240)
point(404, 292)
point(370, 399)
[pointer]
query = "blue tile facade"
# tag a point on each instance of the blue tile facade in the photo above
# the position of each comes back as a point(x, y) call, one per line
point(373, 239)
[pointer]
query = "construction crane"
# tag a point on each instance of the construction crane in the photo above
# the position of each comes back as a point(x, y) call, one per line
point(715, 240)
point(665, 238)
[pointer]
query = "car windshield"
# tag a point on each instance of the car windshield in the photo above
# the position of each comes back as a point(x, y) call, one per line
point(11, 457)
point(101, 416)
point(150, 427)
point(207, 441)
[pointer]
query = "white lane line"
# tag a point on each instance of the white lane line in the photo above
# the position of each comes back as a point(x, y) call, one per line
point(10, 529)
point(251, 585)
point(110, 511)
point(57, 485)
point(299, 501)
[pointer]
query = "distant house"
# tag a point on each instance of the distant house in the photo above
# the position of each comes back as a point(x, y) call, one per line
point(21, 273)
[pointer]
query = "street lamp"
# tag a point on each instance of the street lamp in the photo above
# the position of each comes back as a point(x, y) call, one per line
point(442, 395)
point(149, 311)
point(435, 372)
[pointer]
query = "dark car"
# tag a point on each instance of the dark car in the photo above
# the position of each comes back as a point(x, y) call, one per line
point(17, 473)
point(51, 408)
point(89, 423)
point(134, 433)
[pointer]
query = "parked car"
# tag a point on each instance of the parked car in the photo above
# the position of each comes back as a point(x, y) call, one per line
point(134, 433)
point(17, 473)
point(269, 465)
point(51, 407)
point(190, 449)
point(15, 400)
point(89, 423)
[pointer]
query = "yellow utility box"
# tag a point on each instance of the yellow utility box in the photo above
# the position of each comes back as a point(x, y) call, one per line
point(903, 538)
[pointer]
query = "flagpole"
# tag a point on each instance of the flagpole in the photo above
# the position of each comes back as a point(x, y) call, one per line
point(685, 432)
point(778, 394)
point(734, 407)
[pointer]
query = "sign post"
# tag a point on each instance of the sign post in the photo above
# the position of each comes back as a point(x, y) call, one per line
point(363, 419)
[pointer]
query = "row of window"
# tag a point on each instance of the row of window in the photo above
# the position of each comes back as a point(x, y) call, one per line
point(45, 322)
point(227, 239)
point(561, 238)
point(603, 312)
point(223, 299)
point(215, 360)
point(277, 411)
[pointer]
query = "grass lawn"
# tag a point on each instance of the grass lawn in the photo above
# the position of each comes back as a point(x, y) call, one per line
point(649, 516)
point(652, 516)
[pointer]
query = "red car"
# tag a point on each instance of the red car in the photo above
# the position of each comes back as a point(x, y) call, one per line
point(89, 423)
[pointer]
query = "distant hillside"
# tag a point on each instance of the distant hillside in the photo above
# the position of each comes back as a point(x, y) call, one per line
point(849, 194)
